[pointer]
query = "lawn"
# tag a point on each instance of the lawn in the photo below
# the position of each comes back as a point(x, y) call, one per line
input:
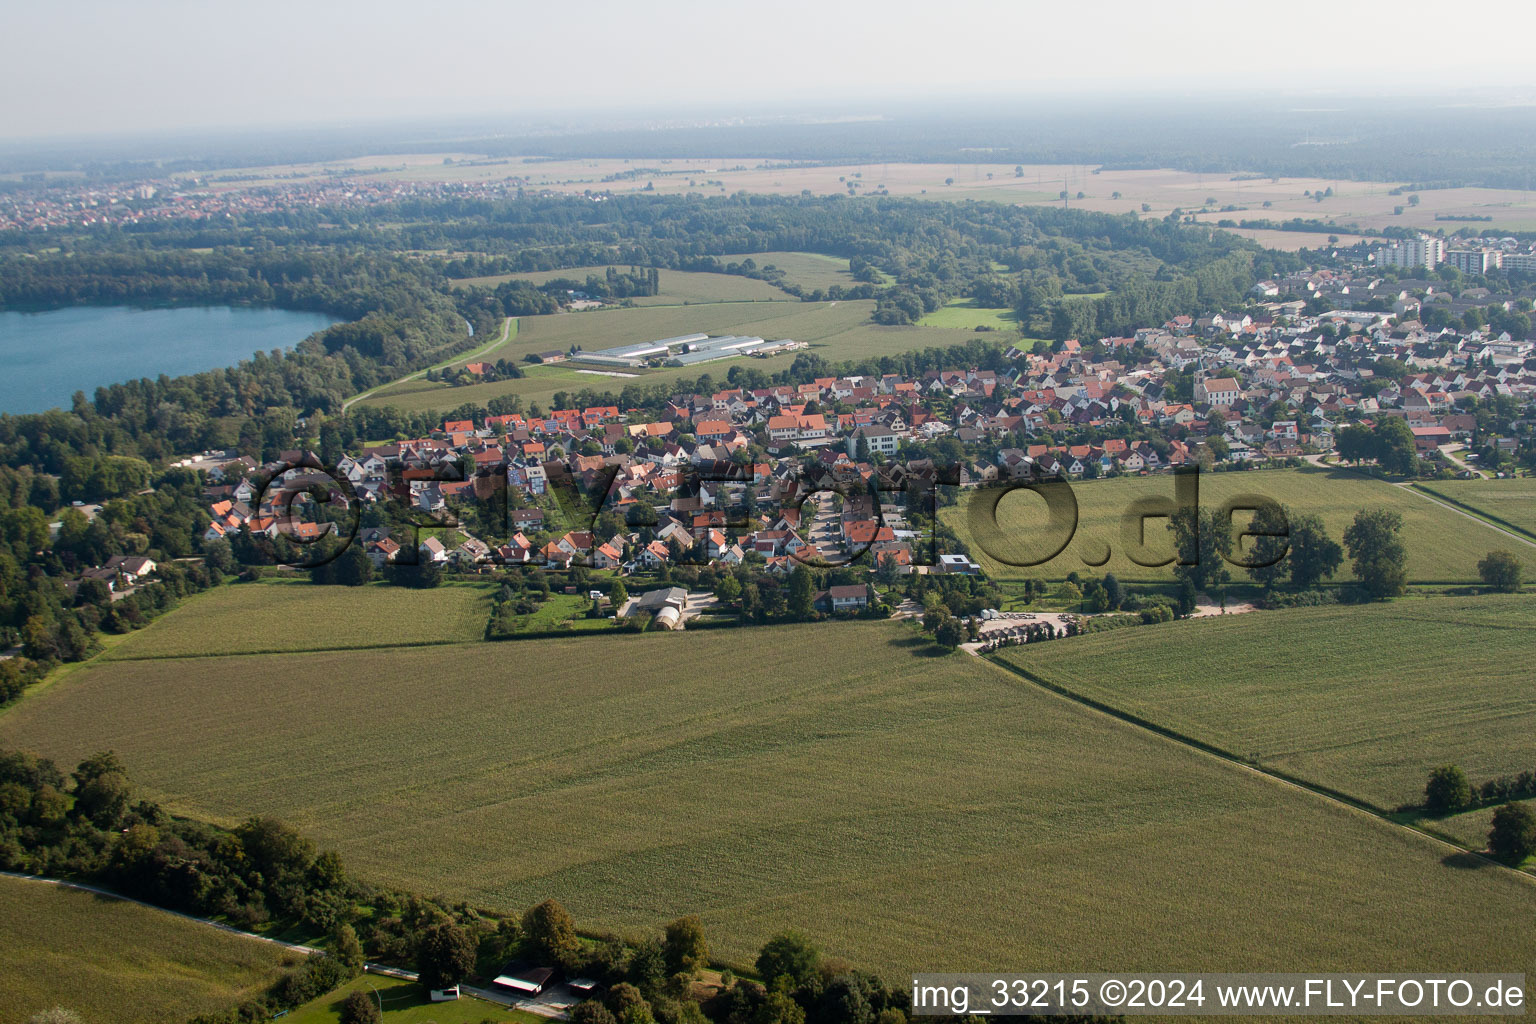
point(562, 611)
point(1363, 699)
point(1443, 547)
point(295, 615)
point(968, 314)
point(677, 286)
point(834, 330)
point(906, 811)
point(1510, 502)
point(119, 963)
point(406, 1002)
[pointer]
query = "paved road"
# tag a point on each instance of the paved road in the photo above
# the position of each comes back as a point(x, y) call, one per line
point(548, 1005)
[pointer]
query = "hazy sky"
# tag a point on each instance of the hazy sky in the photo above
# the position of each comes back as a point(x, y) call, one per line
point(93, 66)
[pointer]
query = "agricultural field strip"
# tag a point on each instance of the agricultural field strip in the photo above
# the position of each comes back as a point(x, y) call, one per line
point(288, 617)
point(1469, 504)
point(1469, 513)
point(656, 764)
point(498, 998)
point(109, 894)
point(116, 958)
point(1198, 746)
point(1357, 721)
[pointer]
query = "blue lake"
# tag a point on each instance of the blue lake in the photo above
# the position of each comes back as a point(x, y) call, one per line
point(46, 357)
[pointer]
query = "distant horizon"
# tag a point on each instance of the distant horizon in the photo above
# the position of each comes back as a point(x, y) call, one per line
point(450, 126)
point(172, 66)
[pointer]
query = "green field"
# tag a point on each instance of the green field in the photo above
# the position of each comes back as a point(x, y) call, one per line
point(406, 1002)
point(904, 810)
point(834, 330)
point(1510, 502)
point(677, 286)
point(1365, 699)
point(252, 618)
point(809, 270)
point(1443, 547)
point(967, 314)
point(115, 962)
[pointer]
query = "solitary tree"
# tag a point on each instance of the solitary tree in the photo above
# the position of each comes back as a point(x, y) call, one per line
point(1314, 555)
point(1380, 560)
point(950, 633)
point(686, 949)
point(788, 955)
point(801, 594)
point(1500, 571)
point(550, 934)
point(1448, 790)
point(1513, 836)
point(445, 955)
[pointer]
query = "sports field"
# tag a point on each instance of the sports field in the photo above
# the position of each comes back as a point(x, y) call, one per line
point(119, 963)
point(1510, 503)
point(906, 811)
point(834, 330)
point(1443, 547)
point(253, 618)
point(1364, 699)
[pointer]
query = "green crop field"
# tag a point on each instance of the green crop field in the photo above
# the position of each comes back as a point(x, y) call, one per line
point(834, 330)
point(405, 1002)
point(967, 314)
point(1443, 547)
point(1511, 502)
point(906, 811)
point(119, 963)
point(249, 618)
point(1364, 699)
point(677, 286)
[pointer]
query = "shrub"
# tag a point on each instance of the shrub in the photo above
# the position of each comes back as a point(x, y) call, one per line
point(359, 1008)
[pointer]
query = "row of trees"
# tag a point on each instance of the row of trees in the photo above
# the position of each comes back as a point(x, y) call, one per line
point(1304, 555)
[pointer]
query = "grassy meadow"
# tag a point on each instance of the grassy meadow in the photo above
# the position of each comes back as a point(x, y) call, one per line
point(295, 615)
point(1364, 699)
point(807, 269)
point(119, 963)
point(1443, 547)
point(677, 286)
point(906, 811)
point(834, 330)
point(967, 315)
point(1511, 503)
